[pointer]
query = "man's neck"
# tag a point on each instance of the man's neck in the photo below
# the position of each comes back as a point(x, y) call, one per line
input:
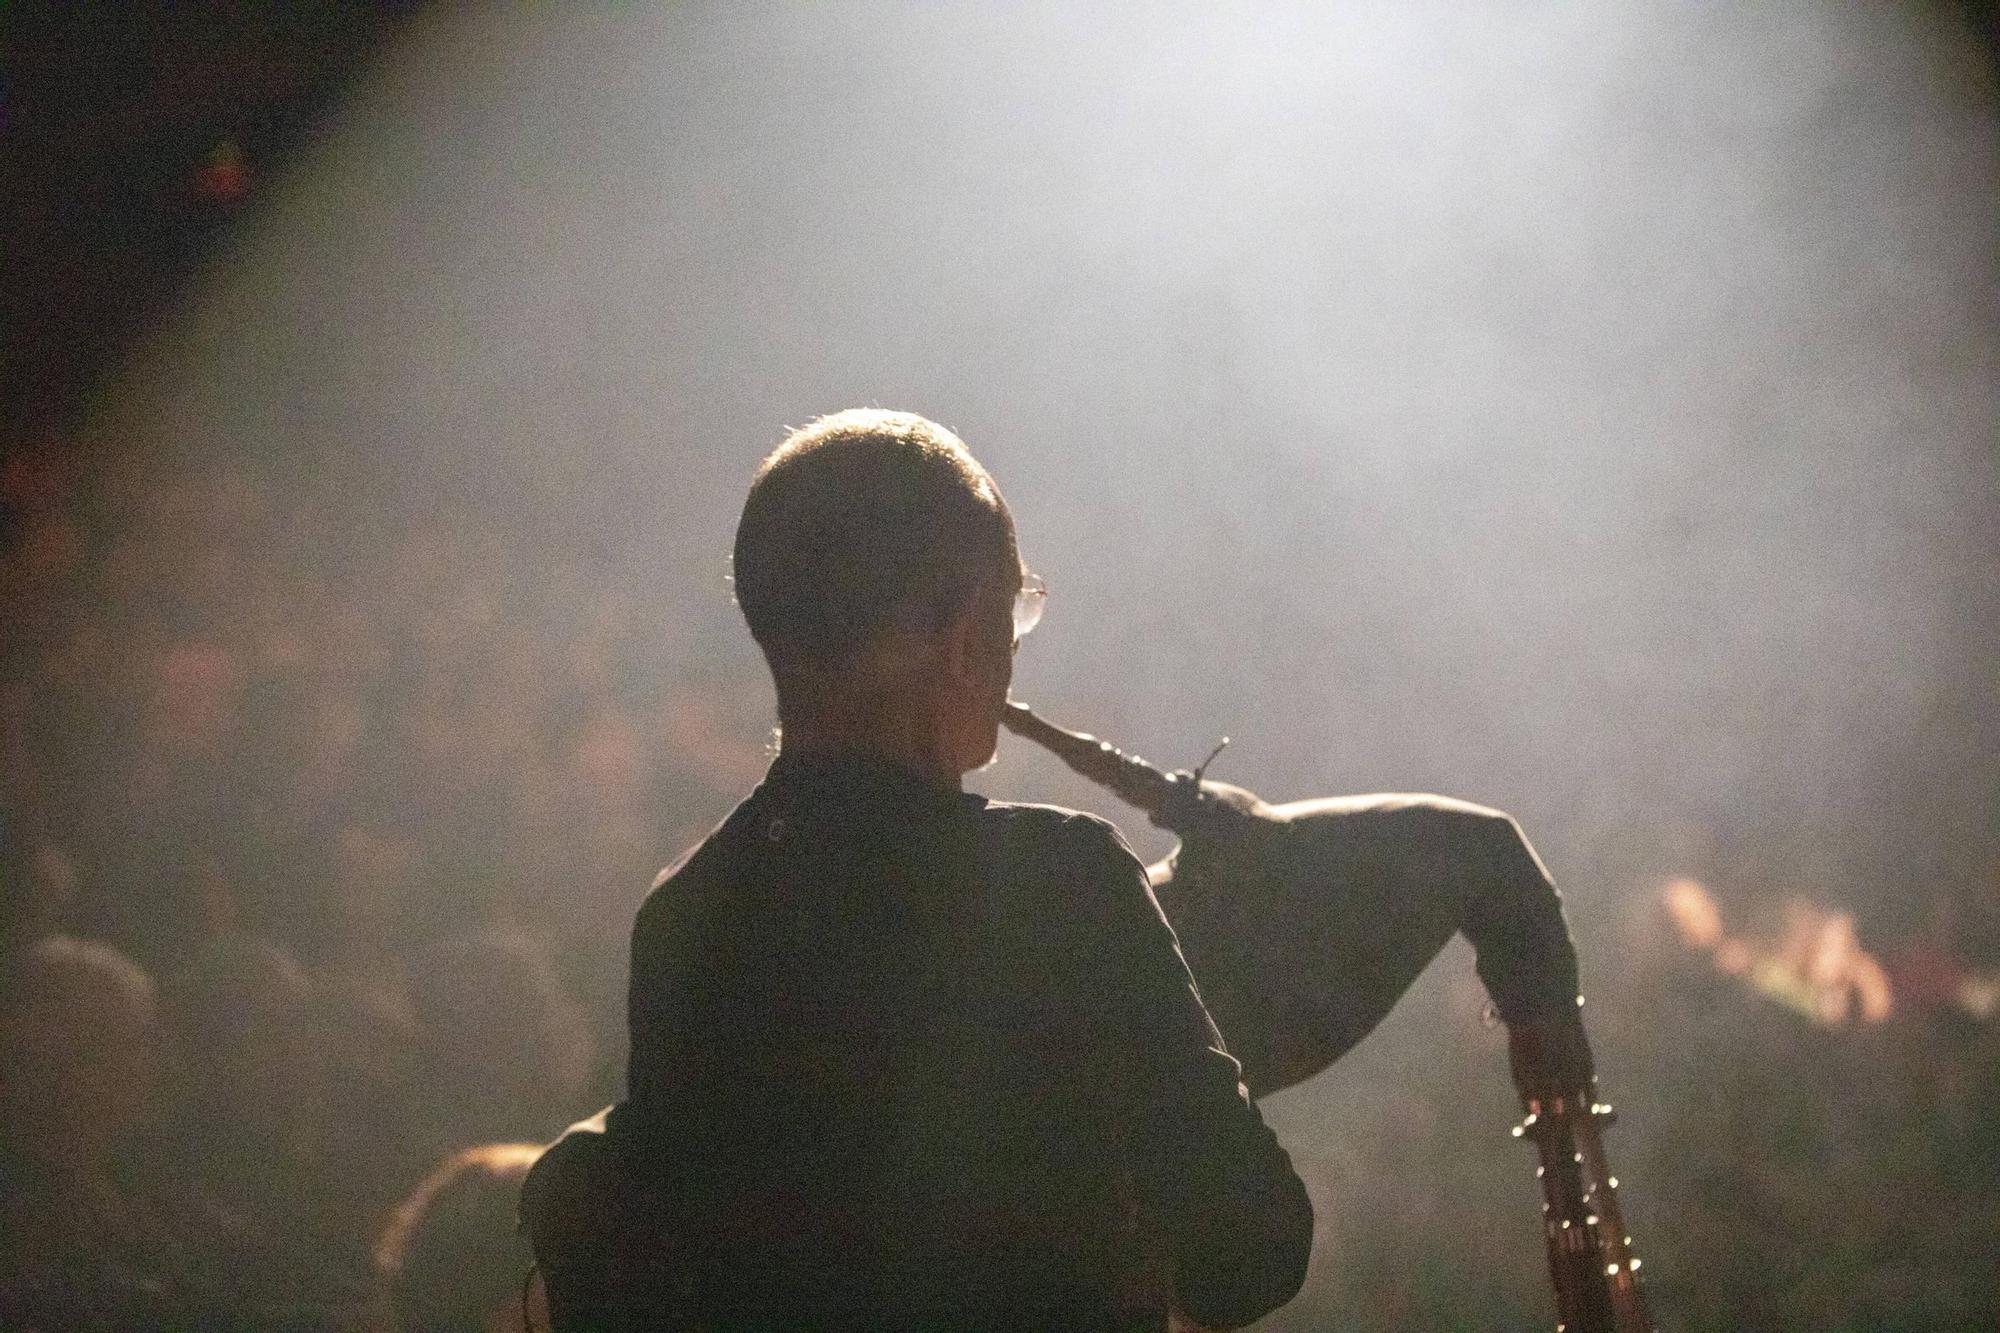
point(900, 742)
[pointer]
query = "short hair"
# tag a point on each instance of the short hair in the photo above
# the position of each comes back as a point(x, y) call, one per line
point(453, 1252)
point(860, 522)
point(59, 970)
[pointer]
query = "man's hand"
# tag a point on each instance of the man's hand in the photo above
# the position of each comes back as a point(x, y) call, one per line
point(1550, 1057)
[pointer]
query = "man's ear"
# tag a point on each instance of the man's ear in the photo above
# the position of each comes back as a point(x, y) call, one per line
point(901, 652)
point(959, 646)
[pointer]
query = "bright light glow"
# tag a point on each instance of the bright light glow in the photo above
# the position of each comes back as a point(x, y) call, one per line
point(1816, 966)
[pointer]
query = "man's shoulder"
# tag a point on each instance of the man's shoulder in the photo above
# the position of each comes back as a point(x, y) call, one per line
point(1059, 824)
point(1081, 858)
point(1059, 842)
point(675, 868)
point(696, 864)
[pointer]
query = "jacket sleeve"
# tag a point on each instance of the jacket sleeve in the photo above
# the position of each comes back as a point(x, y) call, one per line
point(1209, 1172)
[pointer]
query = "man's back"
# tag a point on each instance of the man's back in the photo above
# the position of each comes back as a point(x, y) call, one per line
point(901, 1056)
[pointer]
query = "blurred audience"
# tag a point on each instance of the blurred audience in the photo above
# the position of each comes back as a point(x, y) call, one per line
point(504, 1052)
point(79, 1034)
point(453, 1259)
point(36, 891)
point(376, 797)
point(241, 1142)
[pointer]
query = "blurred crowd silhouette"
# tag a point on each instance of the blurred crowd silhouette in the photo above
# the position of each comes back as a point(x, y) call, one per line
point(318, 864)
point(320, 850)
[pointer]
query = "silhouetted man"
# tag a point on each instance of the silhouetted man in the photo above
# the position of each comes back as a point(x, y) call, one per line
point(903, 1057)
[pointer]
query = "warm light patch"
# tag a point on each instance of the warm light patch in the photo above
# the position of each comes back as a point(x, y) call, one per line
point(1694, 913)
point(1816, 966)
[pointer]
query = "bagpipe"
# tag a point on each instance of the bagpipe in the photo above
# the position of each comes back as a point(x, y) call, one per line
point(1305, 922)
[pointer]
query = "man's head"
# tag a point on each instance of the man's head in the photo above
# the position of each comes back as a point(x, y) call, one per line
point(876, 565)
point(78, 1031)
point(452, 1256)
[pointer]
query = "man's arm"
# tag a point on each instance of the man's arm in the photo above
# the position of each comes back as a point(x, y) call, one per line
point(1237, 1220)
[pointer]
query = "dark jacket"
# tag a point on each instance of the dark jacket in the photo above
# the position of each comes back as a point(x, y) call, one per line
point(905, 1057)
